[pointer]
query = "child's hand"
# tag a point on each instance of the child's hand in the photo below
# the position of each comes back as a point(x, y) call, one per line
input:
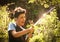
point(31, 29)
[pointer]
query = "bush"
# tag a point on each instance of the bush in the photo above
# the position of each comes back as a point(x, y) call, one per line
point(4, 20)
point(48, 30)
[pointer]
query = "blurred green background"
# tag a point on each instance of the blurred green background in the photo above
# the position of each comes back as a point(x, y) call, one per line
point(35, 9)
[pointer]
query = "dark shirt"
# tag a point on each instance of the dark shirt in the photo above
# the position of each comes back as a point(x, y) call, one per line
point(16, 28)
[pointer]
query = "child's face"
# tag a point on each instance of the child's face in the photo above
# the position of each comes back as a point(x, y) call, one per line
point(21, 19)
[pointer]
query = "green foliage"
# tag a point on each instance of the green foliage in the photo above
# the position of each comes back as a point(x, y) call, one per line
point(35, 39)
point(46, 3)
point(31, 1)
point(44, 32)
point(48, 30)
point(3, 22)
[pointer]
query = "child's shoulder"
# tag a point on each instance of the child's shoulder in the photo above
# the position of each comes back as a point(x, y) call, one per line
point(12, 23)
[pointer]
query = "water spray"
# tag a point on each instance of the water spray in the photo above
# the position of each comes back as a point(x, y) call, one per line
point(43, 16)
